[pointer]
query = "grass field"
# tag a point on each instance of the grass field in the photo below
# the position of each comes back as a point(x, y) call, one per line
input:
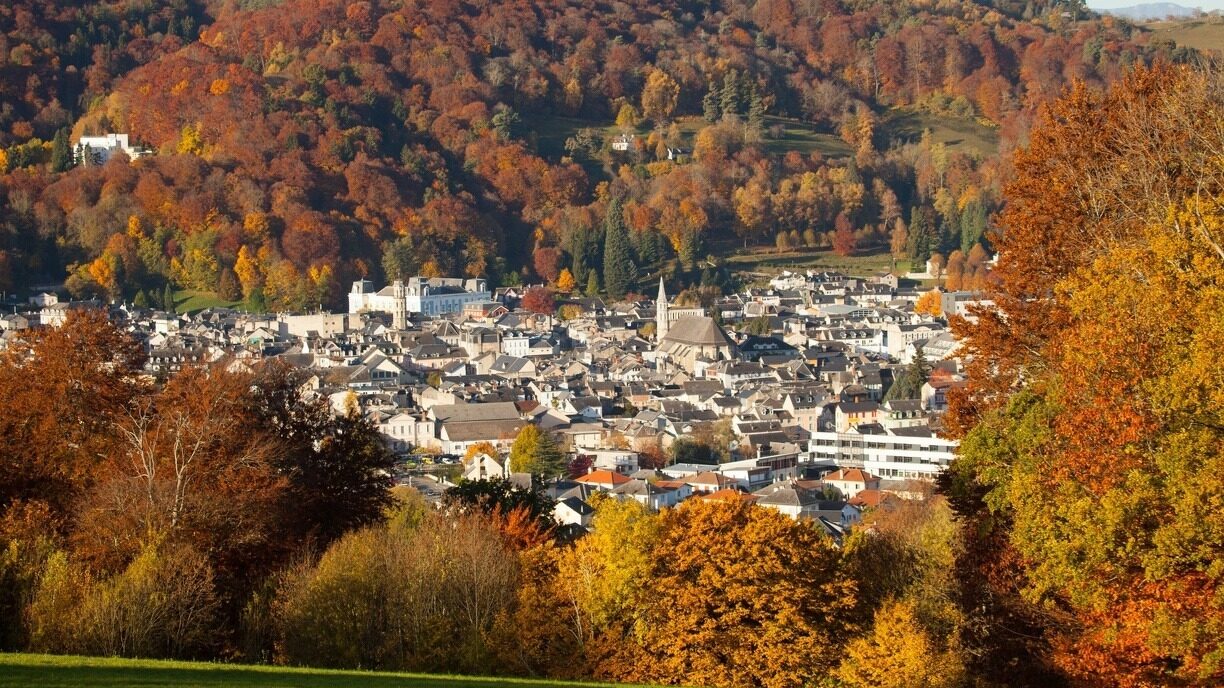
point(1201, 34)
point(48, 671)
point(958, 134)
point(770, 261)
point(192, 301)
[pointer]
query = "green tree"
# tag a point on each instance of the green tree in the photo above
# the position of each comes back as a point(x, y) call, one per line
point(921, 241)
point(399, 259)
point(909, 384)
point(167, 300)
point(618, 268)
point(710, 109)
point(535, 451)
point(972, 224)
point(502, 496)
point(61, 152)
point(337, 466)
point(592, 285)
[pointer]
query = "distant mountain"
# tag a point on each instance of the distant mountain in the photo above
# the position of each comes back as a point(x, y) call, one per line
point(1152, 10)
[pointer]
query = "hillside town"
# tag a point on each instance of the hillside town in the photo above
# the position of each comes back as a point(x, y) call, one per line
point(800, 396)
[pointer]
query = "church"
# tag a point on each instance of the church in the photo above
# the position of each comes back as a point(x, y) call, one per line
point(688, 338)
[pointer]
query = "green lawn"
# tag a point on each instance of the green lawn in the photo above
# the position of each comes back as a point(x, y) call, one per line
point(769, 260)
point(784, 135)
point(49, 671)
point(957, 134)
point(188, 301)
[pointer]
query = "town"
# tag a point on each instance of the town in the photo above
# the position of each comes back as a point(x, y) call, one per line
point(818, 395)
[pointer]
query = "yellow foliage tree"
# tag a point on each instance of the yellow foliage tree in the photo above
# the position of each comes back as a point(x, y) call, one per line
point(477, 449)
point(740, 595)
point(565, 281)
point(249, 271)
point(659, 95)
point(604, 575)
point(190, 140)
point(930, 303)
point(627, 116)
point(255, 225)
point(898, 653)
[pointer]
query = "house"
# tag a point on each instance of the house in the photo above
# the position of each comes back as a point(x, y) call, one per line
point(650, 495)
point(98, 150)
point(851, 481)
point(620, 461)
point(425, 295)
point(622, 142)
point(484, 467)
point(604, 479)
point(572, 511)
point(849, 414)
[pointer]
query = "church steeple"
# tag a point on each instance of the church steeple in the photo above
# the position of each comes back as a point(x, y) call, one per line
point(661, 321)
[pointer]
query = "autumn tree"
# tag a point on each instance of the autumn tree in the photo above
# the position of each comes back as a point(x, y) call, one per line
point(844, 242)
point(1090, 412)
point(540, 300)
point(722, 567)
point(477, 448)
point(897, 653)
point(65, 388)
point(659, 95)
point(930, 303)
point(535, 451)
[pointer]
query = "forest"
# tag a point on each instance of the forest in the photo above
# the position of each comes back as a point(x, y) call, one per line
point(300, 144)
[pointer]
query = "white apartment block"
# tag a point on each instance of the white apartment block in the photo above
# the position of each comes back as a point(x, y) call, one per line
point(890, 456)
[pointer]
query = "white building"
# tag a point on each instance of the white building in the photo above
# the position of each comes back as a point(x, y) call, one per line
point(97, 150)
point(425, 295)
point(901, 454)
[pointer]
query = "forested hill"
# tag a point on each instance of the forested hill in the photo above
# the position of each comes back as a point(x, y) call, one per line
point(302, 143)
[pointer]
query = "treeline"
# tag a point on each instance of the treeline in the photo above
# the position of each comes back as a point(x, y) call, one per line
point(1089, 478)
point(139, 519)
point(305, 143)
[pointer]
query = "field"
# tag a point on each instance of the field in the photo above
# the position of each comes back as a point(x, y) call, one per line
point(192, 301)
point(1201, 34)
point(767, 260)
point(964, 135)
point(48, 671)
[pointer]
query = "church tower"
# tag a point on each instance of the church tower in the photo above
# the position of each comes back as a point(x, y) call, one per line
point(399, 316)
point(661, 320)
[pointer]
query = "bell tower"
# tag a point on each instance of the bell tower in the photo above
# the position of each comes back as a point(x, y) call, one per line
point(399, 314)
point(661, 320)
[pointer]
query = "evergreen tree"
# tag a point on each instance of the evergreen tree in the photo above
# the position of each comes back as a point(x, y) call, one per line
point(618, 265)
point(729, 98)
point(710, 108)
point(909, 384)
point(972, 225)
point(756, 111)
point(592, 286)
point(646, 245)
point(61, 152)
point(168, 298)
point(921, 240)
